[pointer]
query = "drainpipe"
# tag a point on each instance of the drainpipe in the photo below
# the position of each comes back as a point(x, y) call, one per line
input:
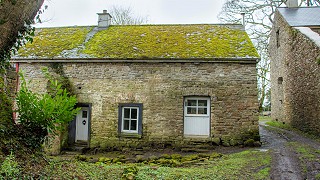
point(17, 71)
point(14, 115)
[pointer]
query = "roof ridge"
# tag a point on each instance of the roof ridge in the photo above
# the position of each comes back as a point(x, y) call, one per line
point(217, 24)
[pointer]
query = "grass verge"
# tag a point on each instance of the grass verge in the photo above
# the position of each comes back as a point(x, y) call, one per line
point(248, 164)
point(265, 118)
point(279, 125)
point(309, 159)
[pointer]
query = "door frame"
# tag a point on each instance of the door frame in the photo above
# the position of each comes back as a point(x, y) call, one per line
point(72, 125)
point(184, 113)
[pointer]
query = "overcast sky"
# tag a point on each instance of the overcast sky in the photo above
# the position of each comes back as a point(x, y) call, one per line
point(83, 12)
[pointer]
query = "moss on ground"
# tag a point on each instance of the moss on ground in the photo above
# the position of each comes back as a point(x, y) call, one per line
point(244, 165)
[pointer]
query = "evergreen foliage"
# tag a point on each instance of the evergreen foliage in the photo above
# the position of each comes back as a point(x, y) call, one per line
point(43, 114)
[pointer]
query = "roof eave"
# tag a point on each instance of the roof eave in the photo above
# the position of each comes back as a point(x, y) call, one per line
point(134, 60)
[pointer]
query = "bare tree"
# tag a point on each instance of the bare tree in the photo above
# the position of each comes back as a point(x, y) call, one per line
point(124, 16)
point(258, 15)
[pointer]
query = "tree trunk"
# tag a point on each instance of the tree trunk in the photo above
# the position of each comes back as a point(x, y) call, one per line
point(13, 15)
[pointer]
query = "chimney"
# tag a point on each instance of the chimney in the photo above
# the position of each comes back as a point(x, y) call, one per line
point(292, 3)
point(243, 18)
point(104, 19)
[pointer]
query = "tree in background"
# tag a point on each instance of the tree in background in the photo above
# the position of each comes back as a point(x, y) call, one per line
point(258, 15)
point(15, 19)
point(124, 16)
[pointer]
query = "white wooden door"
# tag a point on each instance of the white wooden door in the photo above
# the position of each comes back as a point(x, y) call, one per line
point(82, 124)
point(197, 116)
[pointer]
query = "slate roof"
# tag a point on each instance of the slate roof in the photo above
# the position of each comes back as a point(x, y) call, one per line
point(303, 16)
point(141, 42)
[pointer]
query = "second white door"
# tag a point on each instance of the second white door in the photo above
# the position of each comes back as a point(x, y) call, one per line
point(197, 116)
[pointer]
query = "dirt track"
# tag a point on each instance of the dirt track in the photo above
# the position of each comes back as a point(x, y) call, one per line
point(286, 164)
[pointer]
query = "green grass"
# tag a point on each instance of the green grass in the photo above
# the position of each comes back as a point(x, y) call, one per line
point(265, 118)
point(248, 164)
point(289, 127)
point(307, 155)
point(305, 152)
point(279, 125)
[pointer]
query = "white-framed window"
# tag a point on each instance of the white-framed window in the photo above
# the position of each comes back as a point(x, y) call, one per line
point(130, 118)
point(196, 106)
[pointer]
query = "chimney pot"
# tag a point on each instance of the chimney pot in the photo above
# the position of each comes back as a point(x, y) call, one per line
point(292, 3)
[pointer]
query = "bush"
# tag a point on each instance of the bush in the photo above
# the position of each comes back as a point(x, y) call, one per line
point(249, 143)
point(10, 168)
point(130, 172)
point(43, 114)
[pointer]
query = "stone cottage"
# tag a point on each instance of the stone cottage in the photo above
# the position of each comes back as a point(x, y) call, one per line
point(295, 71)
point(148, 85)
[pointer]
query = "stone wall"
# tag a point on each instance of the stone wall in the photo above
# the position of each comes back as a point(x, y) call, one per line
point(9, 78)
point(161, 87)
point(280, 52)
point(7, 93)
point(296, 61)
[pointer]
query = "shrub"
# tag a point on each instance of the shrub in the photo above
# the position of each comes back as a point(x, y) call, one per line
point(43, 114)
point(249, 142)
point(130, 172)
point(10, 168)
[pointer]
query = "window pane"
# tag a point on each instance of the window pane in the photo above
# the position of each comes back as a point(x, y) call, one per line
point(126, 125)
point(192, 102)
point(202, 111)
point(134, 113)
point(191, 110)
point(202, 103)
point(126, 113)
point(133, 125)
point(84, 114)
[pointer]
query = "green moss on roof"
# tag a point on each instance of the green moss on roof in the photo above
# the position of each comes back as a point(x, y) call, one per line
point(175, 41)
point(50, 42)
point(144, 41)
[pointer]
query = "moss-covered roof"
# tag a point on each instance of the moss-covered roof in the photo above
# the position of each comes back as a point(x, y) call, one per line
point(141, 42)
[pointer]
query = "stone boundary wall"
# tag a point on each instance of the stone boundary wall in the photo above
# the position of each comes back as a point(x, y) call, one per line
point(161, 87)
point(9, 78)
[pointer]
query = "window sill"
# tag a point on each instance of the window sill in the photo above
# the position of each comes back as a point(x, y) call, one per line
point(130, 135)
point(196, 115)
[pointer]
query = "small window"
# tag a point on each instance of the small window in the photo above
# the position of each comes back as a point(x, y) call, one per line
point(197, 106)
point(278, 38)
point(130, 118)
point(84, 114)
point(280, 80)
